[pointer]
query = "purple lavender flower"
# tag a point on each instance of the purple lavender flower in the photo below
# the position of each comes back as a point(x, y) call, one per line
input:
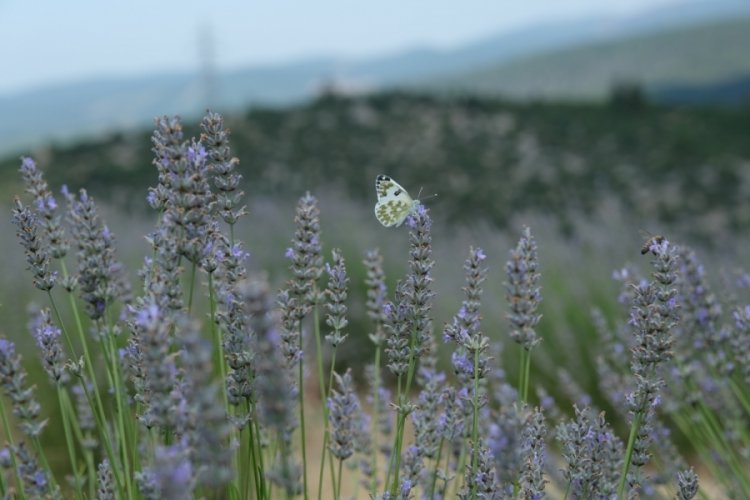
point(398, 325)
point(336, 294)
point(173, 472)
point(13, 383)
point(531, 481)
point(593, 455)
point(161, 274)
point(412, 466)
point(36, 484)
point(483, 482)
point(276, 391)
point(183, 190)
point(208, 428)
point(290, 328)
point(223, 166)
point(46, 207)
point(238, 340)
point(504, 442)
point(35, 249)
point(6, 458)
point(101, 278)
point(376, 294)
point(523, 293)
point(105, 483)
point(701, 312)
point(343, 414)
point(687, 484)
point(652, 318)
point(307, 262)
point(168, 154)
point(47, 337)
point(151, 326)
point(464, 328)
point(418, 284)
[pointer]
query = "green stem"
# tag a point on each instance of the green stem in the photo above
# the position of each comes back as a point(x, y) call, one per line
point(402, 411)
point(119, 390)
point(64, 402)
point(218, 340)
point(475, 426)
point(98, 407)
point(9, 437)
point(461, 463)
point(191, 287)
point(523, 379)
point(437, 467)
point(375, 418)
point(301, 396)
point(392, 460)
point(338, 481)
point(634, 428)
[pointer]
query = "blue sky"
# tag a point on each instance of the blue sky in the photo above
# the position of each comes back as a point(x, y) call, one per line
point(43, 43)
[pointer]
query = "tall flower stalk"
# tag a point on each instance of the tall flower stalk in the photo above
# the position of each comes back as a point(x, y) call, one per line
point(303, 295)
point(471, 360)
point(524, 296)
point(336, 319)
point(410, 326)
point(653, 315)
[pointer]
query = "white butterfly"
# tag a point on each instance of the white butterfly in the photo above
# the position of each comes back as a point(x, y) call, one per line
point(394, 203)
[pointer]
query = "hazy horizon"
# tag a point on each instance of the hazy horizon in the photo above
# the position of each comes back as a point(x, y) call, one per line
point(64, 43)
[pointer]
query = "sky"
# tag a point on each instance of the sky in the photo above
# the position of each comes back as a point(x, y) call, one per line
point(47, 43)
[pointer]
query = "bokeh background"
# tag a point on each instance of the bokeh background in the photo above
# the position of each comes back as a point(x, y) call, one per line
point(595, 123)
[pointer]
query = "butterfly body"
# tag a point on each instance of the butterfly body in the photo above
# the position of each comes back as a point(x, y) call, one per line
point(394, 203)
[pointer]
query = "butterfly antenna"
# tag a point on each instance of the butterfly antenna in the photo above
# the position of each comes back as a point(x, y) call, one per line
point(419, 195)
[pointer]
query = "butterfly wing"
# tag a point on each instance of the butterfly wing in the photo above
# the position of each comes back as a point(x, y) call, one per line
point(394, 203)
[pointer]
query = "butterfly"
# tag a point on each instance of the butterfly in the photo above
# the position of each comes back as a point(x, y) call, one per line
point(394, 203)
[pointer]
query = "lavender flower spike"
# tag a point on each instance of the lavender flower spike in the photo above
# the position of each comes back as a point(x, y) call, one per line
point(523, 293)
point(344, 413)
point(532, 480)
point(35, 249)
point(336, 294)
point(13, 383)
point(46, 207)
point(305, 254)
point(105, 481)
point(101, 277)
point(687, 484)
point(47, 337)
point(223, 166)
point(376, 294)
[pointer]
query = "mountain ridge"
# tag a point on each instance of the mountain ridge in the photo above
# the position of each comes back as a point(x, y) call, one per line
point(100, 106)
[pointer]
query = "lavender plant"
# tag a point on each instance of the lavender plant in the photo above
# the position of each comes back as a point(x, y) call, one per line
point(196, 387)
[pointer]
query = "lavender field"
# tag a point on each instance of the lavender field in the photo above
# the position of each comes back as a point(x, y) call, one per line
point(223, 343)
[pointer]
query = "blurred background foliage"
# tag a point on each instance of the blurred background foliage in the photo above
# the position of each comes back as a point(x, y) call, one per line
point(486, 159)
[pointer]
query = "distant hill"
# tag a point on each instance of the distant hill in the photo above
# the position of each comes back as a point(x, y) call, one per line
point(706, 54)
point(733, 92)
point(489, 160)
point(99, 107)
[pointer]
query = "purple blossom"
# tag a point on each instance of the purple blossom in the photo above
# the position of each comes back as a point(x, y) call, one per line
point(523, 292)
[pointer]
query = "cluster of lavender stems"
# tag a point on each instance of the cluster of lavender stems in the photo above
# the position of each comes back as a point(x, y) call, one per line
point(156, 401)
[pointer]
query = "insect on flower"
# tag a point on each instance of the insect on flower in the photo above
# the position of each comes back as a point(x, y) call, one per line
point(394, 203)
point(653, 239)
